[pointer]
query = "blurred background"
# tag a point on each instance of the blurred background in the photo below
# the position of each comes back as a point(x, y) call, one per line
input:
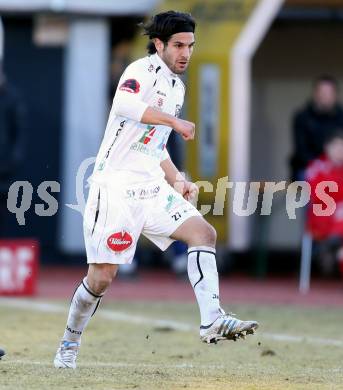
point(253, 69)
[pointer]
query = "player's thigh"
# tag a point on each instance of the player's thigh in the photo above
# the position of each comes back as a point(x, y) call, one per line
point(112, 226)
point(195, 231)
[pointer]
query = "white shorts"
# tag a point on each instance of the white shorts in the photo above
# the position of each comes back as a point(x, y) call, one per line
point(116, 215)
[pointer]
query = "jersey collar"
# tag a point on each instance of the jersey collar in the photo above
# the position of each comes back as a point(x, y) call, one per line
point(163, 66)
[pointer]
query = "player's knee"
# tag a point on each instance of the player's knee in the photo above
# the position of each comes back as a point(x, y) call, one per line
point(100, 280)
point(101, 283)
point(210, 235)
point(206, 235)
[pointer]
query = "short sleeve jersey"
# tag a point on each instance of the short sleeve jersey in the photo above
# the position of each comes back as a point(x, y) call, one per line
point(129, 145)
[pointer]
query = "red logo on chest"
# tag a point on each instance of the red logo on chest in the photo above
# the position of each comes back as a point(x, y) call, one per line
point(120, 241)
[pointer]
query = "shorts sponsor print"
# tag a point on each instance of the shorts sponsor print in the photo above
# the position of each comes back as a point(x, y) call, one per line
point(119, 241)
point(142, 193)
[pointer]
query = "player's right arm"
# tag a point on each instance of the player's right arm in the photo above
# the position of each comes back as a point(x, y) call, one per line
point(152, 116)
point(129, 102)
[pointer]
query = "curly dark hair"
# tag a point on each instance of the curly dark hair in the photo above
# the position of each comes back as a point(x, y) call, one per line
point(165, 24)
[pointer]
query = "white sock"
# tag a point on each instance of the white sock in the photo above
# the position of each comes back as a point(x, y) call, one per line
point(83, 305)
point(203, 275)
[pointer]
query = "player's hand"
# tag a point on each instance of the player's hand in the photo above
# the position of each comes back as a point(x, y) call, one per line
point(190, 191)
point(185, 129)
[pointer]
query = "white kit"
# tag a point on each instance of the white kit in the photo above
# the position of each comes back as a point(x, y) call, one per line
point(128, 194)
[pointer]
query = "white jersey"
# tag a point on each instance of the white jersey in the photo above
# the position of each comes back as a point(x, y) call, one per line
point(129, 146)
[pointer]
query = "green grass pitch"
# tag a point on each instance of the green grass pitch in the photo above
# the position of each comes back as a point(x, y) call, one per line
point(125, 354)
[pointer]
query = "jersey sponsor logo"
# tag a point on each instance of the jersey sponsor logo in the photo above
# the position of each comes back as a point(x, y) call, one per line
point(161, 93)
point(119, 241)
point(151, 68)
point(130, 85)
point(160, 102)
point(148, 135)
point(138, 147)
point(152, 142)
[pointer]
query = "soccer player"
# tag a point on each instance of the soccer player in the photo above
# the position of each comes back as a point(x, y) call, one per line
point(133, 188)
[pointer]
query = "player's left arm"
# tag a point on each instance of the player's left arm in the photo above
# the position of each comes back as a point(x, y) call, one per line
point(177, 180)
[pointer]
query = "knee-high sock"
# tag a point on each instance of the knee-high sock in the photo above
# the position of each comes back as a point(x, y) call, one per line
point(203, 275)
point(83, 305)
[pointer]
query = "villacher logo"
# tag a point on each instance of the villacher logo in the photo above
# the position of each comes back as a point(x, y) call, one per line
point(120, 241)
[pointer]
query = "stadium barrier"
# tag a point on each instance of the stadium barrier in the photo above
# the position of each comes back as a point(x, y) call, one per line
point(19, 263)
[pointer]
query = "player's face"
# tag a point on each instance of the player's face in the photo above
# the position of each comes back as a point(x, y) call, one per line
point(325, 96)
point(177, 52)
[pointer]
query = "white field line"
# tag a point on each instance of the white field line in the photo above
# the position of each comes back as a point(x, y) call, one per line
point(158, 366)
point(120, 365)
point(45, 307)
